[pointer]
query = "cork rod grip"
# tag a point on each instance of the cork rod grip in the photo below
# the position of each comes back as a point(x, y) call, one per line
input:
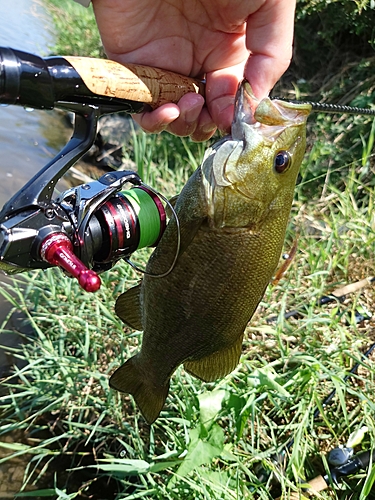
point(313, 486)
point(132, 82)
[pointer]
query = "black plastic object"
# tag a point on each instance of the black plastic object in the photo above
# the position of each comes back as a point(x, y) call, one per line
point(352, 466)
point(45, 83)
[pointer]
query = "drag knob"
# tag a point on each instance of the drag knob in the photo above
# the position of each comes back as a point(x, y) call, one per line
point(57, 249)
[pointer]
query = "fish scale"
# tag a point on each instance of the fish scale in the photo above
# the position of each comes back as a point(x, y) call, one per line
point(233, 213)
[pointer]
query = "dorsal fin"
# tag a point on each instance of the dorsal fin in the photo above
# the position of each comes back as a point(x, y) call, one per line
point(128, 307)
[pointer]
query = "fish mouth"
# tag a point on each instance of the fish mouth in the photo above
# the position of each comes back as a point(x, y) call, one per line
point(269, 117)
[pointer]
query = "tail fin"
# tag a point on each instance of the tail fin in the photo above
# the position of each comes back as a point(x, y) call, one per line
point(150, 398)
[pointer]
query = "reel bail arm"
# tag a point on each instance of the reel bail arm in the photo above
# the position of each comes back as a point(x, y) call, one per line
point(37, 231)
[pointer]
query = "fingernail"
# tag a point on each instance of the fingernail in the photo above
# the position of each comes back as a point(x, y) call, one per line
point(209, 128)
point(173, 115)
point(192, 113)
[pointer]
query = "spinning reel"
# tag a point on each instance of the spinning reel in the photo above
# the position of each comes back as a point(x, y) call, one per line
point(86, 229)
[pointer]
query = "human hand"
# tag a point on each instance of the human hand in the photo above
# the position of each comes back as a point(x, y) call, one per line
point(219, 40)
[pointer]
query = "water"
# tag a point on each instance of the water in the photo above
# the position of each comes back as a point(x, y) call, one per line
point(28, 140)
point(26, 143)
point(24, 25)
point(25, 137)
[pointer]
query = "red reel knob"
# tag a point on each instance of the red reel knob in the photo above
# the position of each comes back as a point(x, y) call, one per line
point(57, 249)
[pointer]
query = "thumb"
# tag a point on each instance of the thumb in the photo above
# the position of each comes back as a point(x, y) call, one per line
point(221, 88)
point(269, 38)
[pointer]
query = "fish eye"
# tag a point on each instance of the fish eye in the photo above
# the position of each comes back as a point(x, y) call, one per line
point(282, 161)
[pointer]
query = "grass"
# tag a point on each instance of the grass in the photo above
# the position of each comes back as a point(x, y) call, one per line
point(77, 33)
point(82, 440)
point(211, 438)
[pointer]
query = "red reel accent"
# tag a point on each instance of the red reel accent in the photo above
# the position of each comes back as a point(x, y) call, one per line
point(57, 249)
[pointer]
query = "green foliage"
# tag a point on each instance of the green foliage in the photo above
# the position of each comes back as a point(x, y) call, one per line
point(212, 441)
point(163, 159)
point(77, 33)
point(333, 63)
point(338, 16)
point(330, 34)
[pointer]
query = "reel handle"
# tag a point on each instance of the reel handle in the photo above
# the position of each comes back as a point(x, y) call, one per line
point(57, 250)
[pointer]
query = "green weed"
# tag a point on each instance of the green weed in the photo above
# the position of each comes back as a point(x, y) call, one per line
point(78, 34)
point(211, 439)
point(219, 440)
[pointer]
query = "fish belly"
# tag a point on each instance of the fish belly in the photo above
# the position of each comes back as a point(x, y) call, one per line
point(202, 307)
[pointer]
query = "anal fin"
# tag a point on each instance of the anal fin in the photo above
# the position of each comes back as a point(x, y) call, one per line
point(128, 308)
point(216, 365)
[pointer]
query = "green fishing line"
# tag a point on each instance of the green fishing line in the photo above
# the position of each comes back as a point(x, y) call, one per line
point(148, 216)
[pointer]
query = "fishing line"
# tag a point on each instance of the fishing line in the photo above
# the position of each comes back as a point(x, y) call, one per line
point(333, 109)
point(162, 275)
point(330, 108)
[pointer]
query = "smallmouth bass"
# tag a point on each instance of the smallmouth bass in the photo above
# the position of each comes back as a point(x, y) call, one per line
point(233, 213)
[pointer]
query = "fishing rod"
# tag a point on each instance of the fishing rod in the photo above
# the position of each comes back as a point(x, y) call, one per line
point(322, 107)
point(341, 461)
point(86, 229)
point(338, 295)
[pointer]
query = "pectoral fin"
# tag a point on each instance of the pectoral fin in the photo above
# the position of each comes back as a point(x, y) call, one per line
point(128, 308)
point(188, 231)
point(216, 365)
